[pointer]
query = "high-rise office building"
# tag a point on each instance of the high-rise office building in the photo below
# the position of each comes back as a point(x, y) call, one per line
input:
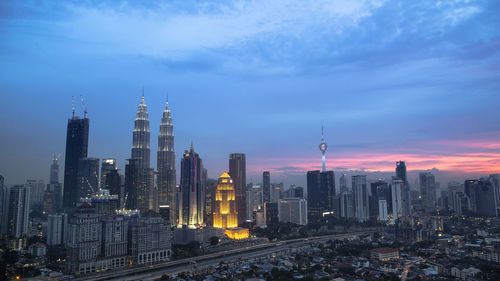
point(141, 136)
point(380, 190)
point(132, 177)
point(144, 195)
point(77, 140)
point(405, 191)
point(52, 198)
point(297, 192)
point(346, 205)
point(382, 210)
point(166, 162)
point(108, 165)
point(482, 197)
point(401, 171)
point(275, 194)
point(56, 229)
point(113, 183)
point(15, 211)
point(54, 170)
point(322, 147)
point(210, 191)
point(293, 210)
point(271, 213)
point(255, 202)
point(495, 180)
point(191, 201)
point(397, 186)
point(327, 181)
point(266, 186)
point(318, 184)
point(225, 212)
point(343, 183)
point(88, 177)
point(428, 191)
point(37, 190)
point(360, 193)
point(237, 171)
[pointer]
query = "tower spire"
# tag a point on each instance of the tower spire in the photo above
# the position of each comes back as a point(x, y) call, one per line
point(322, 147)
point(73, 106)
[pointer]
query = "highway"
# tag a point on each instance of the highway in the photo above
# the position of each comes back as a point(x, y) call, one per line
point(152, 272)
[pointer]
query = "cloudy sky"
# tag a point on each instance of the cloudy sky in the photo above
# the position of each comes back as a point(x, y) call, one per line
point(417, 81)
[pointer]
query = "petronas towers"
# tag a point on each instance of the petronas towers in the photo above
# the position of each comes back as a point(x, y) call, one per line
point(166, 162)
point(141, 192)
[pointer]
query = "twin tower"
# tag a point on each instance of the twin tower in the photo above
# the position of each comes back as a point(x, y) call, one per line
point(144, 196)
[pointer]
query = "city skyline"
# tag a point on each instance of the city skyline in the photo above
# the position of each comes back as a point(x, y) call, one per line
point(450, 76)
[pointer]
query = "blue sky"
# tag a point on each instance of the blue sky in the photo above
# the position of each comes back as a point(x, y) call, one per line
point(418, 80)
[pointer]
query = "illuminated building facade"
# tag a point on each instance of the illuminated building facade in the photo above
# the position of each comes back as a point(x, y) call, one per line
point(143, 192)
point(108, 165)
point(191, 201)
point(166, 163)
point(225, 214)
point(226, 209)
point(237, 171)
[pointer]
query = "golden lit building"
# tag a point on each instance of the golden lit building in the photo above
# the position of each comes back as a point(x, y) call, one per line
point(225, 214)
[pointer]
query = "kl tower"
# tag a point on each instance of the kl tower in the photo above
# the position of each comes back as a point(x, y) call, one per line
point(322, 147)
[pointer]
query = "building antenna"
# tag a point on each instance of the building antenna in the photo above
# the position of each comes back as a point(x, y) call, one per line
point(73, 105)
point(84, 107)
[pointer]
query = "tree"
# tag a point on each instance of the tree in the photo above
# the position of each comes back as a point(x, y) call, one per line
point(10, 257)
point(214, 240)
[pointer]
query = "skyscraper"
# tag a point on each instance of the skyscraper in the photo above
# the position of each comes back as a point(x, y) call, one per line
point(322, 147)
point(141, 136)
point(37, 190)
point(401, 171)
point(225, 214)
point(77, 140)
point(108, 165)
point(52, 198)
point(266, 186)
point(482, 197)
point(88, 177)
point(132, 177)
point(380, 191)
point(293, 210)
point(397, 187)
point(320, 187)
point(113, 183)
point(191, 203)
point(343, 183)
point(237, 171)
point(54, 170)
point(166, 162)
point(428, 191)
point(141, 152)
point(405, 190)
point(360, 194)
point(495, 180)
point(16, 210)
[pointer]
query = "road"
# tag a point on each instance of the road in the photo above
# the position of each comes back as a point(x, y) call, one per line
point(155, 271)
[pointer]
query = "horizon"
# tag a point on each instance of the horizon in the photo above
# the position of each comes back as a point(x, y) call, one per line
point(258, 78)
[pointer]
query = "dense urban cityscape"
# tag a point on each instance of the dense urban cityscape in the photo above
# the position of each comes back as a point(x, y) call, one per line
point(99, 222)
point(250, 140)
